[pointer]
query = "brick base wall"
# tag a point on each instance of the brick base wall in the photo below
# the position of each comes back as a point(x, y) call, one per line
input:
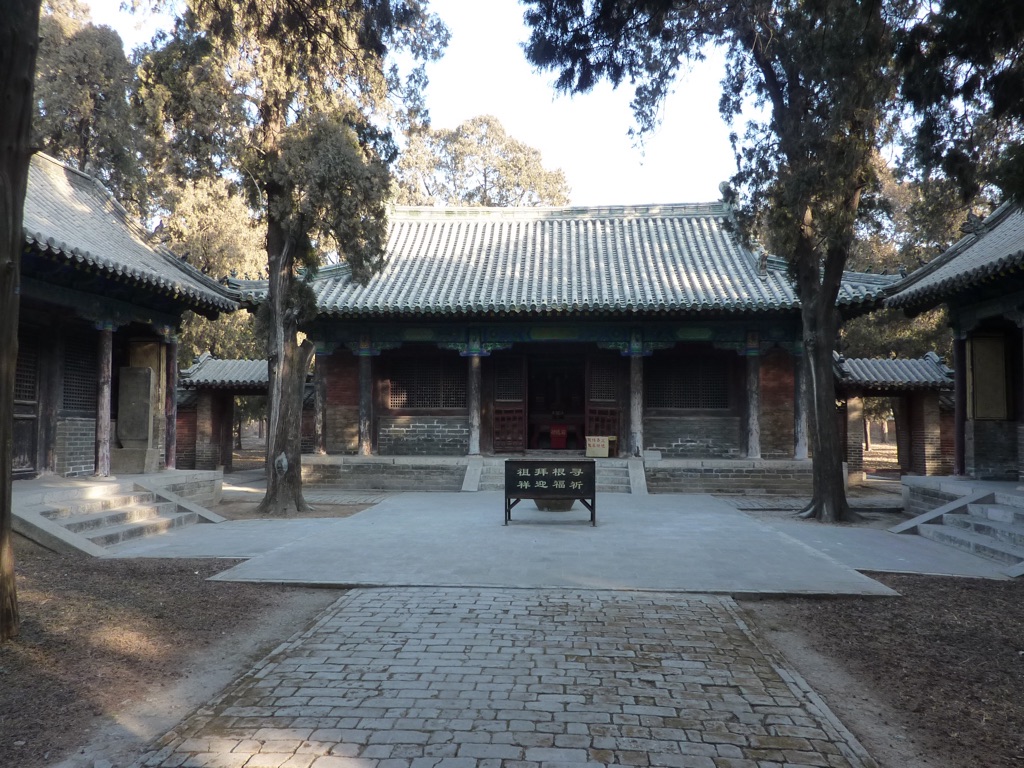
point(695, 437)
point(75, 447)
point(990, 450)
point(775, 478)
point(921, 499)
point(423, 436)
point(383, 476)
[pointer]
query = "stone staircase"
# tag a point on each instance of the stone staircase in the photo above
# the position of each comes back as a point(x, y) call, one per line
point(102, 517)
point(988, 525)
point(612, 475)
point(113, 519)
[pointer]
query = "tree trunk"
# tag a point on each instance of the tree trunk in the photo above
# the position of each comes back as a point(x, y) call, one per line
point(287, 365)
point(19, 41)
point(820, 326)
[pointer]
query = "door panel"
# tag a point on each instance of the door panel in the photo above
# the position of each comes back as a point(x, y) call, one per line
point(509, 418)
point(26, 410)
point(604, 409)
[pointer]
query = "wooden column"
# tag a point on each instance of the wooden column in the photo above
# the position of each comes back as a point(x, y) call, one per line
point(473, 403)
point(754, 404)
point(106, 364)
point(959, 405)
point(636, 405)
point(365, 406)
point(800, 409)
point(171, 402)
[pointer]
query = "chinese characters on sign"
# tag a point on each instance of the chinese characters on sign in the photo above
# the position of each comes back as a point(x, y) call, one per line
point(553, 478)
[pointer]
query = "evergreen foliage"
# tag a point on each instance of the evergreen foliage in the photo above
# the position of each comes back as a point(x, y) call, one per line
point(475, 163)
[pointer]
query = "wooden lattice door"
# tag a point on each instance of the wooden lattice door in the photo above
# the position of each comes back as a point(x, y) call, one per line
point(603, 402)
point(509, 404)
point(26, 409)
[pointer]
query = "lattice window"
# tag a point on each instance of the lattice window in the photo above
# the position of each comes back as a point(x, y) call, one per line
point(26, 374)
point(80, 377)
point(428, 383)
point(508, 381)
point(602, 382)
point(697, 382)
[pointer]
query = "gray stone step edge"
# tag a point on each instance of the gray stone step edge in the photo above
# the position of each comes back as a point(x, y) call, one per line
point(111, 516)
point(976, 543)
point(115, 534)
point(1006, 533)
point(31, 520)
point(1003, 513)
point(956, 505)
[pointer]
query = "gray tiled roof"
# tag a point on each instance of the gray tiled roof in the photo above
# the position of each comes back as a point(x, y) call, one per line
point(996, 249)
point(70, 216)
point(506, 261)
point(210, 373)
point(927, 372)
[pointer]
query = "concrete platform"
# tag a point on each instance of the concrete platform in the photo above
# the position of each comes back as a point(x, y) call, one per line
point(691, 543)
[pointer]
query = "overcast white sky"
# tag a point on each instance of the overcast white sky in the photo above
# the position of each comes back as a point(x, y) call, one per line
point(484, 71)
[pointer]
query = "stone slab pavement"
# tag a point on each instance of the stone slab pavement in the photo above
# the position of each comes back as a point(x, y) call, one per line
point(693, 543)
point(874, 549)
point(481, 678)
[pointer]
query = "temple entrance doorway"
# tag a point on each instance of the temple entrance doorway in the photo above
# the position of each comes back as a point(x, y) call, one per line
point(556, 417)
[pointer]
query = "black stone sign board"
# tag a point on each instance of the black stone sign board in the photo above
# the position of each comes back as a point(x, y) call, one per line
point(551, 479)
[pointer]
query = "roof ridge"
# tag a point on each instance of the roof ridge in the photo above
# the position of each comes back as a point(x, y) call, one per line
point(716, 208)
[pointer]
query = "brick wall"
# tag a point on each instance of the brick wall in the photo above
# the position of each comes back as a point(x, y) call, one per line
point(947, 425)
point(695, 437)
point(777, 405)
point(341, 421)
point(75, 447)
point(741, 477)
point(423, 436)
point(185, 454)
point(208, 447)
point(381, 475)
point(990, 449)
point(925, 433)
point(921, 499)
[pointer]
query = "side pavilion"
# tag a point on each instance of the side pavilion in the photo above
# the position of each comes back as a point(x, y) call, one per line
point(981, 281)
point(100, 308)
point(499, 331)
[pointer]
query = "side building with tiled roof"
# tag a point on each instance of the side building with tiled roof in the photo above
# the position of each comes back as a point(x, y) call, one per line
point(981, 281)
point(918, 390)
point(100, 306)
point(498, 331)
point(206, 420)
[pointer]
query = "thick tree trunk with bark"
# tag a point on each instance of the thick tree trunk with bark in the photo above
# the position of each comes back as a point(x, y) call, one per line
point(288, 363)
point(820, 327)
point(19, 41)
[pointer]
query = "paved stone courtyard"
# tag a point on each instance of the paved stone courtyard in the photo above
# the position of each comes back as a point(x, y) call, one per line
point(506, 678)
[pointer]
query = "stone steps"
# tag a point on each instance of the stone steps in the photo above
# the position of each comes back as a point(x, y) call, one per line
point(95, 505)
point(998, 512)
point(109, 520)
point(1005, 532)
point(110, 535)
point(136, 513)
point(975, 543)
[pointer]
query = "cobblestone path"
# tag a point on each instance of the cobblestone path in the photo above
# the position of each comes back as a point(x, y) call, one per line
point(467, 678)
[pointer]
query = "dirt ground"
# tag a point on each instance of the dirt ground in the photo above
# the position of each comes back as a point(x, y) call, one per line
point(113, 653)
